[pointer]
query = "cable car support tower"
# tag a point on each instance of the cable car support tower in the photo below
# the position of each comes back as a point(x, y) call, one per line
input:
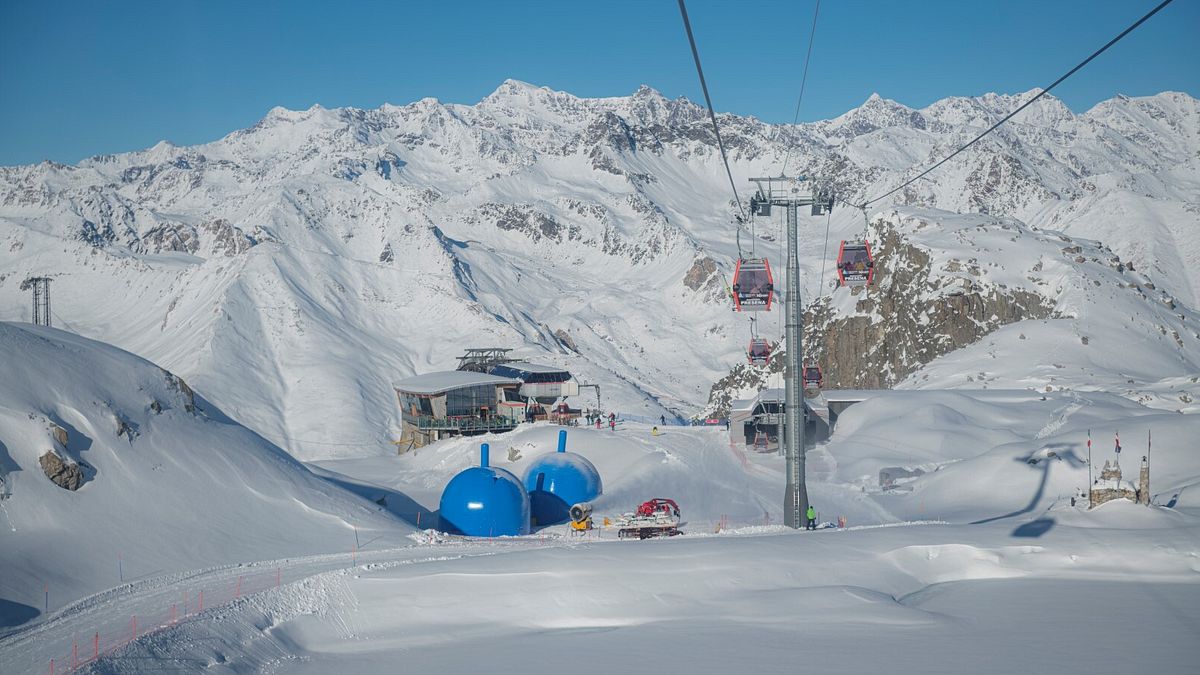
point(791, 193)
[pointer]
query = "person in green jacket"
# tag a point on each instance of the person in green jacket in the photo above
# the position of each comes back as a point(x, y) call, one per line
point(812, 518)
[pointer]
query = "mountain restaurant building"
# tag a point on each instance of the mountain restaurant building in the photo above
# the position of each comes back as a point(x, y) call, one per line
point(456, 402)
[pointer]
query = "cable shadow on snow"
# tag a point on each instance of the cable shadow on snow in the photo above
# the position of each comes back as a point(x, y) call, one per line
point(1042, 459)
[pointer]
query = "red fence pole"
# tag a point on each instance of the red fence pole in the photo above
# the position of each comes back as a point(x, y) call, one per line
point(133, 625)
point(96, 646)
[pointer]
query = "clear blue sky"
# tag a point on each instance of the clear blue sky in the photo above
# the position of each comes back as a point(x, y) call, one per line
point(88, 77)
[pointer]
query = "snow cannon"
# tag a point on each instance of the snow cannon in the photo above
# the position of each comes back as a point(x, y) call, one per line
point(556, 480)
point(485, 501)
point(580, 512)
point(581, 517)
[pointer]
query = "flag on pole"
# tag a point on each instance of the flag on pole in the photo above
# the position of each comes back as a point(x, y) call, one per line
point(1118, 442)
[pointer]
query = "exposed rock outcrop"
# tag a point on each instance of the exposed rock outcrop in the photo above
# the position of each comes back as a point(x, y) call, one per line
point(910, 315)
point(60, 435)
point(177, 383)
point(66, 475)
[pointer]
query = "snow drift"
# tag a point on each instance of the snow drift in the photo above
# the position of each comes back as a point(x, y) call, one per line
point(168, 482)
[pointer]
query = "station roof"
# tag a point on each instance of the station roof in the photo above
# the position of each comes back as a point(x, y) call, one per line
point(443, 381)
point(528, 367)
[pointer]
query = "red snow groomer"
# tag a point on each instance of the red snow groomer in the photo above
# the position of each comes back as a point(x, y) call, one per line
point(655, 518)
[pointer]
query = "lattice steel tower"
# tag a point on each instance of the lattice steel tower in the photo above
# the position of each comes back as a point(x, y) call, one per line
point(41, 299)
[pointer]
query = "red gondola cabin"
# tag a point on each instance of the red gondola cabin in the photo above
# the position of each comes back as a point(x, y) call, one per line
point(812, 377)
point(855, 266)
point(753, 286)
point(759, 352)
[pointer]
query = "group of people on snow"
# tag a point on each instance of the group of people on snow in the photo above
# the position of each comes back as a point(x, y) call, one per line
point(596, 417)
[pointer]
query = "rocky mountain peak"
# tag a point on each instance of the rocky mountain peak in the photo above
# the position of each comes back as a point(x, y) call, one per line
point(410, 232)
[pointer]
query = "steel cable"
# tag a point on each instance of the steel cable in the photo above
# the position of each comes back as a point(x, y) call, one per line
point(803, 80)
point(708, 100)
point(1025, 105)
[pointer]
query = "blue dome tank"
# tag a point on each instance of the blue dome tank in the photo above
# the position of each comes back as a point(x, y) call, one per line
point(485, 501)
point(557, 480)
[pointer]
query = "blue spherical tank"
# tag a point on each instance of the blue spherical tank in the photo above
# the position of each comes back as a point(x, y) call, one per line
point(485, 501)
point(557, 480)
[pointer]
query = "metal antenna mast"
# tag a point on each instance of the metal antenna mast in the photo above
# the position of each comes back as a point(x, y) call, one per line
point(791, 194)
point(41, 299)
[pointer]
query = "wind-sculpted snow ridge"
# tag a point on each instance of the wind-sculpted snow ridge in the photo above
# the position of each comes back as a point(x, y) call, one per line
point(169, 482)
point(295, 269)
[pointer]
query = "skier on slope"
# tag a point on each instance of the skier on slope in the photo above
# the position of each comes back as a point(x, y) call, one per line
point(812, 518)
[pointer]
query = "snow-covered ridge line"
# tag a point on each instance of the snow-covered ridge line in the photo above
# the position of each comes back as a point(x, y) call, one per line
point(294, 269)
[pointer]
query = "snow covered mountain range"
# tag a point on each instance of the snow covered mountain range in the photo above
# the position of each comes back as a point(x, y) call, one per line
point(293, 270)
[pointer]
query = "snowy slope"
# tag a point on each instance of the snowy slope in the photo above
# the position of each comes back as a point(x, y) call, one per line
point(1013, 564)
point(170, 483)
point(293, 270)
point(931, 599)
point(973, 445)
point(1109, 328)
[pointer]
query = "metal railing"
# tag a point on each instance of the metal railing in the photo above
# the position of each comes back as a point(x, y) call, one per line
point(465, 423)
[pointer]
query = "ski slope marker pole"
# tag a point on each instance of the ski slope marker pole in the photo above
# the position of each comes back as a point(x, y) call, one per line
point(96, 646)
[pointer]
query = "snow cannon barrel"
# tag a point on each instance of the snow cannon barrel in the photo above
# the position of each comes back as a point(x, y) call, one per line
point(580, 512)
point(556, 480)
point(485, 501)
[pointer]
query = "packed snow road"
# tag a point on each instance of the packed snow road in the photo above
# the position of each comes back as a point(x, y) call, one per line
point(928, 597)
point(132, 611)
